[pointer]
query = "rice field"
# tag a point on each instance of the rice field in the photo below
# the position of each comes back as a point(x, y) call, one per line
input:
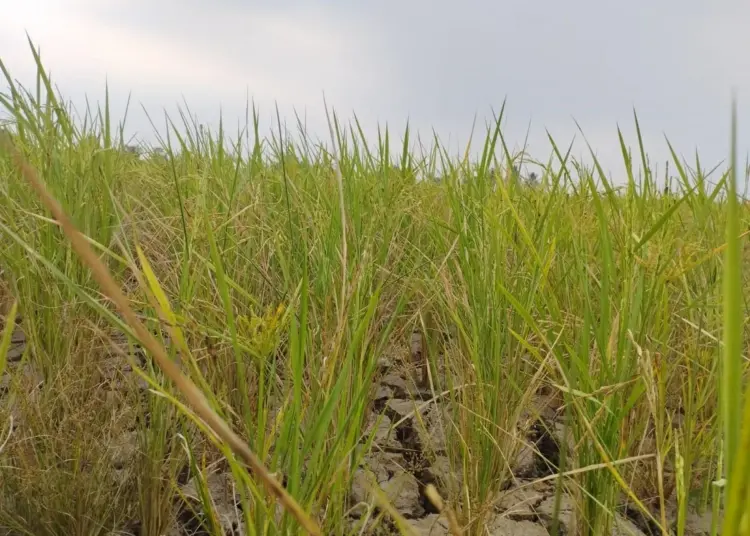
point(240, 334)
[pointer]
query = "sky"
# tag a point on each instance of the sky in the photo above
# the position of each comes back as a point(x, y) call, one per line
point(443, 66)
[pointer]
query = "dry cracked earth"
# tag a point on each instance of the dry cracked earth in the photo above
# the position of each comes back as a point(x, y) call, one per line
point(409, 452)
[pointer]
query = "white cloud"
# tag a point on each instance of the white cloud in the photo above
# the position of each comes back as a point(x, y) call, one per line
point(428, 62)
point(719, 48)
point(215, 56)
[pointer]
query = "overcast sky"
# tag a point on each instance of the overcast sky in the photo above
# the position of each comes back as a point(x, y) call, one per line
point(435, 62)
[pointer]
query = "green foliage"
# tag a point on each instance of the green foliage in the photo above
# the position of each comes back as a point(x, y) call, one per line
point(277, 273)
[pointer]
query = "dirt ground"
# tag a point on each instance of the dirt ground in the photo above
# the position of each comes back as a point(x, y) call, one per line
point(409, 452)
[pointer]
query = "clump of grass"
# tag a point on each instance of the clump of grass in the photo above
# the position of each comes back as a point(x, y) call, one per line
point(237, 294)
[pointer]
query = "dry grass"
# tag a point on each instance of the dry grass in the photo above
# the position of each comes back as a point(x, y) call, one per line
point(232, 307)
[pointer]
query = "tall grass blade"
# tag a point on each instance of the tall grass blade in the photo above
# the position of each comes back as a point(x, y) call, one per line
point(736, 425)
